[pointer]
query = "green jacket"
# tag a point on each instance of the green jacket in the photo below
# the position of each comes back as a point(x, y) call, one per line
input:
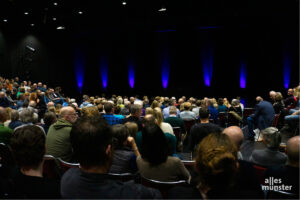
point(5, 134)
point(58, 140)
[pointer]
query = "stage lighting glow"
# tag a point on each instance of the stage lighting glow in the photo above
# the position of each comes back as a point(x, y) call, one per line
point(163, 9)
point(243, 76)
point(286, 70)
point(165, 71)
point(124, 3)
point(26, 13)
point(207, 62)
point(5, 20)
point(104, 71)
point(79, 69)
point(131, 75)
point(80, 12)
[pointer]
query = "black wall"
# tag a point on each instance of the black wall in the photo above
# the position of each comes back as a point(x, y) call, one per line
point(261, 47)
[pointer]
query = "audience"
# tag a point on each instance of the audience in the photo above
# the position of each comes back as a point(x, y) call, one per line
point(91, 141)
point(49, 119)
point(165, 127)
point(187, 114)
point(220, 174)
point(106, 149)
point(202, 129)
point(28, 148)
point(125, 151)
point(58, 137)
point(289, 174)
point(154, 162)
point(5, 132)
point(15, 122)
point(236, 134)
point(135, 113)
point(270, 155)
point(175, 121)
point(263, 117)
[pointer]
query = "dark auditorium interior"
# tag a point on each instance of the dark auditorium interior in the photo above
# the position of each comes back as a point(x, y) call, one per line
point(149, 99)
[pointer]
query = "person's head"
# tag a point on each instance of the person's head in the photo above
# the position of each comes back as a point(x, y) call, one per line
point(120, 134)
point(158, 115)
point(69, 114)
point(187, 106)
point(204, 113)
point(50, 104)
point(149, 110)
point(132, 128)
point(154, 148)
point(220, 101)
point(32, 104)
point(91, 140)
point(2, 95)
point(91, 111)
point(272, 95)
point(27, 115)
point(149, 119)
point(117, 109)
point(259, 99)
point(290, 92)
point(3, 115)
point(271, 137)
point(235, 133)
point(28, 146)
point(136, 110)
point(278, 97)
point(173, 110)
point(235, 102)
point(14, 116)
point(292, 150)
point(85, 98)
point(216, 161)
point(49, 118)
point(154, 104)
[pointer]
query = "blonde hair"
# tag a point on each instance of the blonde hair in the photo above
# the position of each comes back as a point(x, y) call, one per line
point(158, 115)
point(216, 161)
point(149, 110)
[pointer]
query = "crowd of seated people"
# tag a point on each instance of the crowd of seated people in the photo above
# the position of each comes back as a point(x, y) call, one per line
point(120, 135)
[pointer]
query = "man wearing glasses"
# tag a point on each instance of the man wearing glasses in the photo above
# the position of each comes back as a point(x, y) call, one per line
point(58, 137)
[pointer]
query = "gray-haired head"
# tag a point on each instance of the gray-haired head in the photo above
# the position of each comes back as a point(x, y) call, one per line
point(27, 115)
point(14, 115)
point(271, 137)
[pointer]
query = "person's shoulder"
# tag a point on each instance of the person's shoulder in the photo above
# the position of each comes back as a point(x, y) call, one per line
point(133, 190)
point(184, 192)
point(174, 160)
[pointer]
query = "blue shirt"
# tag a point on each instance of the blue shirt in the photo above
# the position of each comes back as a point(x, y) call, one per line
point(112, 119)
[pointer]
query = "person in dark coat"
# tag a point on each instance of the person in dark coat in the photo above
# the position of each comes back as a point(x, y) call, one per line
point(262, 118)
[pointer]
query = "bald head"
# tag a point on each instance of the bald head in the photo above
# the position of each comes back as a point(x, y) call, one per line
point(68, 113)
point(292, 150)
point(2, 95)
point(3, 115)
point(259, 99)
point(235, 133)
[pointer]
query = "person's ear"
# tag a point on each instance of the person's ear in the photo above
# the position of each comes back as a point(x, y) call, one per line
point(108, 150)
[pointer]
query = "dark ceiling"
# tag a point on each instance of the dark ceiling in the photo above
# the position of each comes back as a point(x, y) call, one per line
point(144, 14)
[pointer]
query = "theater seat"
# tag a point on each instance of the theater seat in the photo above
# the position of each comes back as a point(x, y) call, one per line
point(177, 133)
point(162, 186)
point(66, 165)
point(259, 171)
point(122, 177)
point(281, 195)
point(51, 168)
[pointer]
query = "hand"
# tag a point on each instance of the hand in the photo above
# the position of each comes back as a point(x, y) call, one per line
point(130, 140)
